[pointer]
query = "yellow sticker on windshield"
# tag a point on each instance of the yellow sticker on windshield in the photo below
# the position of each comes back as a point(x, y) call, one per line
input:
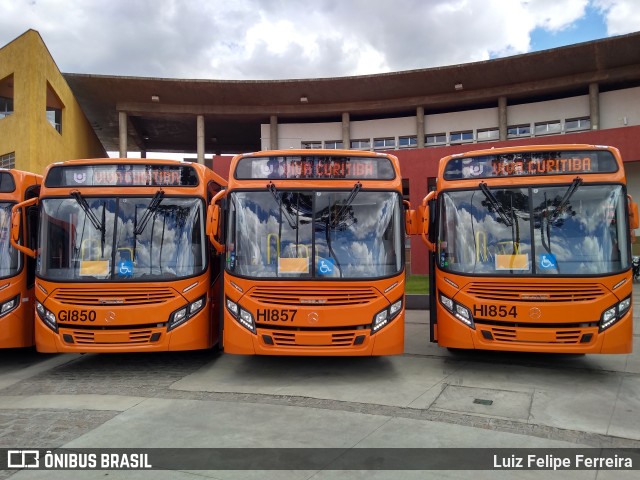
point(512, 262)
point(94, 268)
point(293, 265)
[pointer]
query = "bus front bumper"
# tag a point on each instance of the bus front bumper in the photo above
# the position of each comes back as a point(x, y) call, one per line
point(272, 341)
point(618, 338)
point(195, 334)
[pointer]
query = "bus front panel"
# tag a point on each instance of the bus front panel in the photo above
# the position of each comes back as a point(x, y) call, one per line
point(314, 272)
point(123, 274)
point(534, 268)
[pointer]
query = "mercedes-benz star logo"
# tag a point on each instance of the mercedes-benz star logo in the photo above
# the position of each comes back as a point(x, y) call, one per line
point(535, 313)
point(110, 317)
point(313, 317)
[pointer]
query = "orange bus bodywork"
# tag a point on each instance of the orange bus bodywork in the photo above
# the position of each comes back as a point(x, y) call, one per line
point(551, 314)
point(329, 317)
point(333, 338)
point(130, 316)
point(16, 325)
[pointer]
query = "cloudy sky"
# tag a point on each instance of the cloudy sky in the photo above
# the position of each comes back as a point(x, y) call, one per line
point(279, 39)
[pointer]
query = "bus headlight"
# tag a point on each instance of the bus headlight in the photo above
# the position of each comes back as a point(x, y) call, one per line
point(612, 314)
point(9, 305)
point(242, 316)
point(185, 313)
point(47, 317)
point(458, 310)
point(383, 317)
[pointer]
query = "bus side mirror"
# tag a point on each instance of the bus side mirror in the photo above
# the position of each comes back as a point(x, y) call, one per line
point(634, 221)
point(411, 220)
point(16, 224)
point(16, 215)
point(424, 215)
point(213, 225)
point(213, 221)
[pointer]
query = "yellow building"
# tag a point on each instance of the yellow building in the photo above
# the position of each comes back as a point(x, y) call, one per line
point(40, 120)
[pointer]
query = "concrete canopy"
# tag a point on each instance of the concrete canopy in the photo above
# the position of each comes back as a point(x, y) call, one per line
point(234, 110)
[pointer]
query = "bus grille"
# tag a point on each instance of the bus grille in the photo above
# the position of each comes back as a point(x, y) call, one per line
point(578, 292)
point(109, 296)
point(290, 339)
point(309, 296)
point(87, 337)
point(539, 336)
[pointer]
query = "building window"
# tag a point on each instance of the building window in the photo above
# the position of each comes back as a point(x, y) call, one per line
point(333, 144)
point(574, 124)
point(384, 142)
point(408, 142)
point(548, 128)
point(361, 144)
point(311, 144)
point(461, 137)
point(54, 109)
point(488, 134)
point(6, 96)
point(519, 131)
point(435, 139)
point(8, 160)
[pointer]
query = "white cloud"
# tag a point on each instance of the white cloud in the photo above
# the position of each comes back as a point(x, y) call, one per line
point(252, 39)
point(621, 16)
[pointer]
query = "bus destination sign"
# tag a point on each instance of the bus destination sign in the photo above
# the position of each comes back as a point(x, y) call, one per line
point(7, 184)
point(314, 167)
point(125, 175)
point(569, 162)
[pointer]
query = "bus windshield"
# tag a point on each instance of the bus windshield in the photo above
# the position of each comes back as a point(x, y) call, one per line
point(9, 257)
point(571, 229)
point(121, 239)
point(348, 234)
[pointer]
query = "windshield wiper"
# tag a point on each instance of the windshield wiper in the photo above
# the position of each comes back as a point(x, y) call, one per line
point(87, 210)
point(567, 196)
point(95, 221)
point(495, 204)
point(274, 191)
point(151, 209)
point(343, 210)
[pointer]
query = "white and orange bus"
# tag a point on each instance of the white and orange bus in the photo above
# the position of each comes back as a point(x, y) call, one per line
point(530, 250)
point(123, 261)
point(17, 270)
point(314, 253)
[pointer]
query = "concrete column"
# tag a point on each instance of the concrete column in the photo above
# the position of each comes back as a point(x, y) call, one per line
point(273, 140)
point(346, 130)
point(594, 105)
point(143, 154)
point(420, 131)
point(200, 138)
point(122, 124)
point(502, 118)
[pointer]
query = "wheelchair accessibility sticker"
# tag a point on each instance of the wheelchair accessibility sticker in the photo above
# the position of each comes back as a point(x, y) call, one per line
point(125, 268)
point(548, 261)
point(325, 266)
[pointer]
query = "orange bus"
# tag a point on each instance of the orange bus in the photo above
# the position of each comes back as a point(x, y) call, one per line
point(314, 253)
point(530, 250)
point(17, 270)
point(123, 261)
